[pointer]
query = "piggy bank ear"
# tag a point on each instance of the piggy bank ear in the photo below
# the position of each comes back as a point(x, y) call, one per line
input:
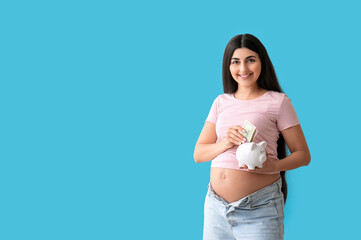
point(253, 146)
point(263, 144)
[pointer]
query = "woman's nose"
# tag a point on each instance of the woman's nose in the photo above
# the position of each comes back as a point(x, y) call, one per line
point(243, 68)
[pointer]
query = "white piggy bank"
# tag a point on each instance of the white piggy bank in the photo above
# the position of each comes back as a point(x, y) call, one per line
point(252, 154)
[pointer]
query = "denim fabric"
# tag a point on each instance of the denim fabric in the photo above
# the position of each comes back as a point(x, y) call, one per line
point(257, 216)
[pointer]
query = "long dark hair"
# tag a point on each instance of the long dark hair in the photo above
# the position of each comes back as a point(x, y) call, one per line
point(267, 80)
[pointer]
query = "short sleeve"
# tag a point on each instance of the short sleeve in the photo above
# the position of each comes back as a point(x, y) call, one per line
point(287, 116)
point(213, 113)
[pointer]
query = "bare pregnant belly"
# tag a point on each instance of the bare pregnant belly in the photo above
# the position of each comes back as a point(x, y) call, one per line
point(232, 184)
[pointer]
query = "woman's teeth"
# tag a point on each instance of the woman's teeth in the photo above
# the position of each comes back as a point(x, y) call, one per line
point(245, 75)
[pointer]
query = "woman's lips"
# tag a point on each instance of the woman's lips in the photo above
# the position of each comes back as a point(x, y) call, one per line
point(245, 76)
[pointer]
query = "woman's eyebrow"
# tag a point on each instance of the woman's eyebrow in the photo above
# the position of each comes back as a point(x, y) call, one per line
point(246, 57)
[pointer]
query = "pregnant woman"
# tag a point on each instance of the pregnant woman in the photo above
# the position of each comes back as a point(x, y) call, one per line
point(243, 203)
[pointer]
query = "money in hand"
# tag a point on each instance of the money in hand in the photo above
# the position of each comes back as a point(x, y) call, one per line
point(251, 131)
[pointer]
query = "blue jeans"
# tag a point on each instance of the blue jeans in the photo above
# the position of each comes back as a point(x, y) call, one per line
point(257, 216)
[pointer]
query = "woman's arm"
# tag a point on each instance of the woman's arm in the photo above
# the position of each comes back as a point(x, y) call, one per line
point(206, 147)
point(300, 154)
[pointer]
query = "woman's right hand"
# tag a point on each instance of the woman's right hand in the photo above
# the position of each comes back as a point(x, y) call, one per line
point(234, 136)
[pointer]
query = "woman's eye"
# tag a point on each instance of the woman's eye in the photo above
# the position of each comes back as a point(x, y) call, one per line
point(250, 60)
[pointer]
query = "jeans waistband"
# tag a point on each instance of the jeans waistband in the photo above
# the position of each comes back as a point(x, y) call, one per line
point(272, 188)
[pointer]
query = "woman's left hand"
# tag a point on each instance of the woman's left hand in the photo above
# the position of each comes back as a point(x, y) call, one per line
point(268, 167)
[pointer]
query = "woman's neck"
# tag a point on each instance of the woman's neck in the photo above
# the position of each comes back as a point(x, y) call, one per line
point(248, 93)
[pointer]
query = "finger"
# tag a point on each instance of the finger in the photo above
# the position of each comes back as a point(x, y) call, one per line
point(234, 142)
point(239, 137)
point(238, 130)
point(236, 139)
point(244, 167)
point(238, 127)
point(253, 170)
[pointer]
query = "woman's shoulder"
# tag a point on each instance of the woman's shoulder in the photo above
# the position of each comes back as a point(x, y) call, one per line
point(223, 97)
point(276, 94)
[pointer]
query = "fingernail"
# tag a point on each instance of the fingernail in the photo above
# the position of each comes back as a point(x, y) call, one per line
point(243, 130)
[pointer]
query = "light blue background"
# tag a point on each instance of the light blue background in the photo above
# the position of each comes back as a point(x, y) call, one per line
point(102, 103)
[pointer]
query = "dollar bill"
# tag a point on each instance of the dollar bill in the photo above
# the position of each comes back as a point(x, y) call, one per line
point(255, 133)
point(251, 131)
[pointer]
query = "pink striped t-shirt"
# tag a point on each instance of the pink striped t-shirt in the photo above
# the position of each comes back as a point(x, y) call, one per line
point(270, 113)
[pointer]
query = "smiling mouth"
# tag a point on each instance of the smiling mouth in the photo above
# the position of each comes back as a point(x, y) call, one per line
point(245, 76)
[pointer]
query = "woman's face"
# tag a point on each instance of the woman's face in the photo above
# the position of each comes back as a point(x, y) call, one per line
point(245, 67)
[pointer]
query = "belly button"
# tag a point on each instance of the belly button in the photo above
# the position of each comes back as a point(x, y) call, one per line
point(223, 176)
